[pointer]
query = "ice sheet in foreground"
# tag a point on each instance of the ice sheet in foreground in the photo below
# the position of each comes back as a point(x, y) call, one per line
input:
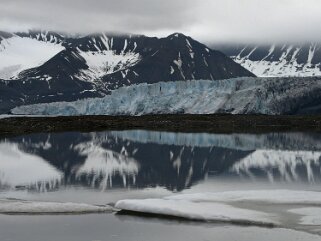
point(216, 212)
point(229, 206)
point(29, 207)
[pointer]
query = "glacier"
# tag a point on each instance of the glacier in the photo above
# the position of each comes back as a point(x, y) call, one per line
point(244, 95)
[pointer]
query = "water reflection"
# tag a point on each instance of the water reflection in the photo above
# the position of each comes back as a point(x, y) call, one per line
point(141, 159)
point(18, 169)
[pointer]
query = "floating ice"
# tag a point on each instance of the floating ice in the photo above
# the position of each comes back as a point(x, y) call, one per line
point(28, 207)
point(204, 211)
point(226, 206)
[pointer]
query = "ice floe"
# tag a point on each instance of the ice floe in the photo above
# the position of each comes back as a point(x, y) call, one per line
point(29, 207)
point(204, 211)
point(240, 207)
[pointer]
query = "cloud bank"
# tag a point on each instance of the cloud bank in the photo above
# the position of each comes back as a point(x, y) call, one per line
point(206, 20)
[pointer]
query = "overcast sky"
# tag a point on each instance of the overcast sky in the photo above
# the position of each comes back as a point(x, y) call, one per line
point(205, 20)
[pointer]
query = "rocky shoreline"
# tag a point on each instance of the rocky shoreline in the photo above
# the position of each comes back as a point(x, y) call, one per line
point(217, 123)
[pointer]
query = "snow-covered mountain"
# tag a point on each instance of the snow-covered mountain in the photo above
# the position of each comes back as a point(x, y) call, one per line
point(39, 66)
point(245, 95)
point(278, 60)
point(18, 54)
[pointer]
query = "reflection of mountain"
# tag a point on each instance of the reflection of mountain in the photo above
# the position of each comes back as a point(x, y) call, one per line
point(20, 169)
point(175, 161)
point(103, 165)
point(287, 165)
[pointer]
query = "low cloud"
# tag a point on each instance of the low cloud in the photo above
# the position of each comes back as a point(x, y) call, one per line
point(206, 20)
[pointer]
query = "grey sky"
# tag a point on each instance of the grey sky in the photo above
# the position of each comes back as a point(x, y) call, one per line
point(206, 20)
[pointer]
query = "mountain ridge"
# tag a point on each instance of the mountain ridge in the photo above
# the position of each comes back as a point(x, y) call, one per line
point(53, 67)
point(277, 60)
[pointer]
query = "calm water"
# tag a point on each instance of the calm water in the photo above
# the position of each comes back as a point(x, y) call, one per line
point(101, 168)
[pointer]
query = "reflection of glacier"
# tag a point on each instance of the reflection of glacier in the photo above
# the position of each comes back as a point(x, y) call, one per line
point(20, 169)
point(285, 164)
point(102, 165)
point(175, 161)
point(285, 141)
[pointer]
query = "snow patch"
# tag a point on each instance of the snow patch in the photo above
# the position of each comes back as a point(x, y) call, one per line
point(18, 54)
point(283, 67)
point(106, 62)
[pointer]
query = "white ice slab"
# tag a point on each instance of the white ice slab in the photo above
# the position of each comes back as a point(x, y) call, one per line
point(204, 211)
point(225, 206)
point(16, 207)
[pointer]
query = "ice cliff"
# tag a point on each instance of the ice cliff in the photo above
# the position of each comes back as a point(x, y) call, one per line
point(244, 95)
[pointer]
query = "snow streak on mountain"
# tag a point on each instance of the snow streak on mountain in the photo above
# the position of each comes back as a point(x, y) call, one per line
point(277, 60)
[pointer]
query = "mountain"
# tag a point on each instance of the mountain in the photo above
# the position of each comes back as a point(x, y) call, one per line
point(283, 60)
point(43, 66)
point(246, 95)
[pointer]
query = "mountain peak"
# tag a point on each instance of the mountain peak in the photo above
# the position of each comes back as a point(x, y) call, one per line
point(177, 36)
